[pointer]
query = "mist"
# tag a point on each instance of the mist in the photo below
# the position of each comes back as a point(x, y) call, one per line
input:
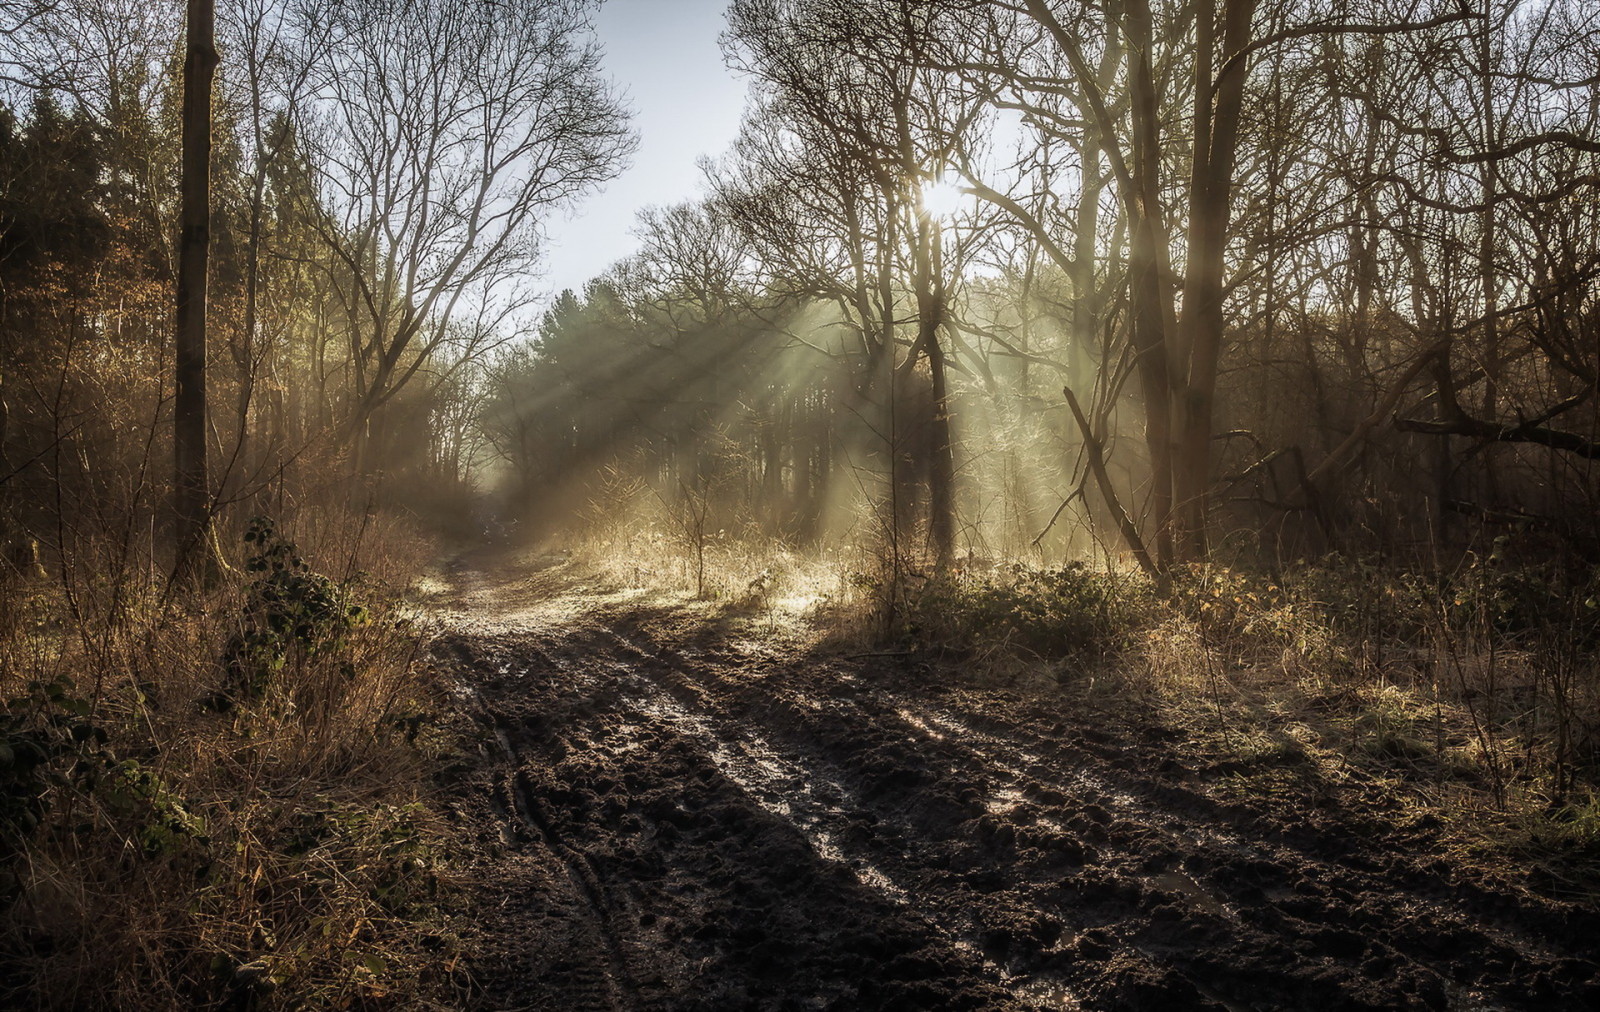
point(1065, 506)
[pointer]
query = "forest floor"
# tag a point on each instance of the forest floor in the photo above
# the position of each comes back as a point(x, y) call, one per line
point(674, 805)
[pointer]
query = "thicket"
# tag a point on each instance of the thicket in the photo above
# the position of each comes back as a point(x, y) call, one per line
point(219, 798)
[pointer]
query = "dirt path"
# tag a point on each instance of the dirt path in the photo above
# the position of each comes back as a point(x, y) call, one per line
point(679, 812)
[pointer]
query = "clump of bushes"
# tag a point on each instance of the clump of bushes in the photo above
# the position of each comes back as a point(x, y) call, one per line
point(1072, 610)
point(292, 617)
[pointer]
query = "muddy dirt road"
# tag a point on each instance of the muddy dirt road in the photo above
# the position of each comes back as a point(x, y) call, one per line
point(677, 811)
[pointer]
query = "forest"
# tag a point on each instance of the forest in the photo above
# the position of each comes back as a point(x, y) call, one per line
point(1093, 505)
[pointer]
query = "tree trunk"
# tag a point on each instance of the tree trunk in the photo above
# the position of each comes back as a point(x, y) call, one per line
point(941, 469)
point(1200, 337)
point(941, 465)
point(1085, 301)
point(1153, 326)
point(191, 488)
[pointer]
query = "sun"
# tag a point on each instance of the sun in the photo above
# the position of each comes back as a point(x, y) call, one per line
point(943, 197)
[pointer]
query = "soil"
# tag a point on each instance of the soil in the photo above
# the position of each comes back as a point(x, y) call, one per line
point(676, 807)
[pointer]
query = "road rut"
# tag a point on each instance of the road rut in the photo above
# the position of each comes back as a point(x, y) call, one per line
point(680, 809)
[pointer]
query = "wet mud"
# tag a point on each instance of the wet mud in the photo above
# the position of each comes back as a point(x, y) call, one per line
point(670, 811)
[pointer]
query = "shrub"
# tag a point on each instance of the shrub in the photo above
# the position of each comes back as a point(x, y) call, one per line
point(290, 614)
point(1066, 611)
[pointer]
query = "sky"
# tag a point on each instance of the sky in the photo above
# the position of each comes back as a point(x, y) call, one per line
point(664, 56)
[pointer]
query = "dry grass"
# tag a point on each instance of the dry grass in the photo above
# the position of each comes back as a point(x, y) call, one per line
point(181, 835)
point(1471, 701)
point(636, 537)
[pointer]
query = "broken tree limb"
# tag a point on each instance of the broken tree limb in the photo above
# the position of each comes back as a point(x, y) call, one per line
point(1476, 428)
point(1097, 466)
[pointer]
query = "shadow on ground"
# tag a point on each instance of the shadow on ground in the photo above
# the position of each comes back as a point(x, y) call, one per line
point(679, 808)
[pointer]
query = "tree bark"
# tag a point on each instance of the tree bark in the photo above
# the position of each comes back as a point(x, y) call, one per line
point(191, 487)
point(930, 290)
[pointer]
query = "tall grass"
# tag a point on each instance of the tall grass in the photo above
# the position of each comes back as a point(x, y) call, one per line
point(216, 797)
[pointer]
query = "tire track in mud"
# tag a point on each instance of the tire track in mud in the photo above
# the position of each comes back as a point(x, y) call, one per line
point(580, 873)
point(794, 787)
point(761, 792)
point(816, 803)
point(795, 796)
point(1005, 784)
point(1194, 844)
point(810, 801)
point(965, 844)
point(568, 889)
point(1205, 824)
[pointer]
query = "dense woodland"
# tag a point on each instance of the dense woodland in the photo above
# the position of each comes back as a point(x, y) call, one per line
point(1167, 288)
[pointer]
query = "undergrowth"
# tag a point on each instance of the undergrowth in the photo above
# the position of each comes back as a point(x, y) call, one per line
point(1473, 695)
point(1071, 611)
point(216, 798)
point(694, 544)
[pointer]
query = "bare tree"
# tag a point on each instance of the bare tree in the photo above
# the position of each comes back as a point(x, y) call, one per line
point(1155, 93)
point(442, 135)
point(856, 128)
